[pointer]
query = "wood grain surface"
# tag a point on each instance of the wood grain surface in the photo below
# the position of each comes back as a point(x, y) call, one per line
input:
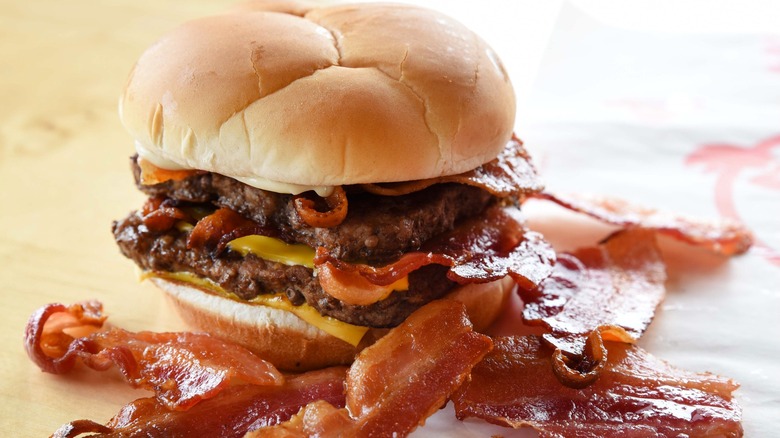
point(64, 176)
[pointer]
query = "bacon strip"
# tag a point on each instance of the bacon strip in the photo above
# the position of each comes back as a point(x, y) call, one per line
point(181, 368)
point(398, 382)
point(484, 249)
point(614, 287)
point(509, 174)
point(231, 413)
point(637, 395)
point(725, 237)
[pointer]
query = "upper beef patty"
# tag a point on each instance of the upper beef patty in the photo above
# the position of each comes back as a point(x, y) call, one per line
point(377, 228)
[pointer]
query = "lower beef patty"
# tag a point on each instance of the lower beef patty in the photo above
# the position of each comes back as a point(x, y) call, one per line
point(250, 276)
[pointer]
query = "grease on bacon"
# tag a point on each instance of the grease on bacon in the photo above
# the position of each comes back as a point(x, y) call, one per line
point(612, 289)
point(230, 414)
point(637, 395)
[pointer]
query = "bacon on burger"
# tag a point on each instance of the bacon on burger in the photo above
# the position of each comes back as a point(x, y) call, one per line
point(317, 174)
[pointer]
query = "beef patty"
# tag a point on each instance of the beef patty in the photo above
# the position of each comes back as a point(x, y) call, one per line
point(377, 229)
point(250, 276)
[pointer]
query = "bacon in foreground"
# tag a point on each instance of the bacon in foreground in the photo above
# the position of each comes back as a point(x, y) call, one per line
point(181, 368)
point(395, 384)
point(637, 395)
point(723, 237)
point(231, 413)
point(481, 250)
point(614, 288)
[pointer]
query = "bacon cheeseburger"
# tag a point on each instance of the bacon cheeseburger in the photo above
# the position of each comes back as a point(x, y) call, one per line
point(316, 175)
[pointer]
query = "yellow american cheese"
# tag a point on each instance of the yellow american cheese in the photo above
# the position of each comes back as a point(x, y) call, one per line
point(274, 250)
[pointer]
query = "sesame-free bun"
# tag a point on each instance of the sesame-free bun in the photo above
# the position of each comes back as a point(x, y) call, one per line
point(292, 344)
point(321, 96)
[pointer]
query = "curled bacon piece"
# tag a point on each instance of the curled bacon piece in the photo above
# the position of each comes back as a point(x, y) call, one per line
point(481, 250)
point(509, 174)
point(725, 237)
point(637, 395)
point(216, 230)
point(580, 370)
point(613, 289)
point(230, 414)
point(398, 382)
point(52, 329)
point(336, 213)
point(181, 368)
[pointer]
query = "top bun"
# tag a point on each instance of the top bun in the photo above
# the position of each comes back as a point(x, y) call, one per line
point(320, 96)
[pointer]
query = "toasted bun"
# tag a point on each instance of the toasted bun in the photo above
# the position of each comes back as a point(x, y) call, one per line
point(321, 97)
point(292, 344)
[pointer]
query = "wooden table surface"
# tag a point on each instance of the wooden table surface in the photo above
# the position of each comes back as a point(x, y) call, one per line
point(64, 176)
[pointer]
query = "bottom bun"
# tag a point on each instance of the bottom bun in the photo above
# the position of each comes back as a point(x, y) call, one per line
point(292, 344)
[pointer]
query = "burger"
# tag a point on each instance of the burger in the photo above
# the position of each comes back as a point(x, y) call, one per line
point(316, 174)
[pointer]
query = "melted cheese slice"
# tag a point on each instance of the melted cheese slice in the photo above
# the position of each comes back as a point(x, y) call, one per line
point(349, 333)
point(274, 250)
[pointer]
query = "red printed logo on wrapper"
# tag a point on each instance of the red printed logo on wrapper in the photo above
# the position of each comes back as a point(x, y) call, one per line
point(738, 169)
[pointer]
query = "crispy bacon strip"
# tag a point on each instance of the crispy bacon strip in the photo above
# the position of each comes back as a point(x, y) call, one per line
point(181, 368)
point(216, 230)
point(725, 237)
point(336, 213)
point(611, 291)
point(637, 395)
point(614, 287)
point(479, 251)
point(231, 413)
point(510, 174)
point(398, 382)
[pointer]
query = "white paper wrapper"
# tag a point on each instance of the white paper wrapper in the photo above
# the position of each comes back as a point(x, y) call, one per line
point(688, 122)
